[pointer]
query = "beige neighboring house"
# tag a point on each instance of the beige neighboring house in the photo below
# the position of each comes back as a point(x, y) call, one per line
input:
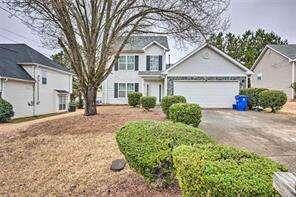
point(275, 69)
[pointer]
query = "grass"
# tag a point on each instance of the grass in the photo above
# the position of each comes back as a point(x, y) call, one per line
point(25, 119)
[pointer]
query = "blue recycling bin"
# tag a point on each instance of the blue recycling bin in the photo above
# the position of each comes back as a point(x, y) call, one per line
point(241, 102)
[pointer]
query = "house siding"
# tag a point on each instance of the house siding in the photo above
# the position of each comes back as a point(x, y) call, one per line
point(276, 73)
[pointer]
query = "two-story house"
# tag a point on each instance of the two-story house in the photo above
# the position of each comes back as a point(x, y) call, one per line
point(206, 75)
point(139, 68)
point(33, 83)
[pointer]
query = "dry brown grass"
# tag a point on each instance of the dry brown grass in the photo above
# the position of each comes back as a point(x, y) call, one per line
point(71, 156)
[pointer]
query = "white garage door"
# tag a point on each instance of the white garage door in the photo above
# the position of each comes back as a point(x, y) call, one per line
point(208, 94)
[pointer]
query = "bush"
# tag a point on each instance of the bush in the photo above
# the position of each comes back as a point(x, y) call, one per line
point(72, 106)
point(253, 94)
point(148, 102)
point(187, 113)
point(147, 146)
point(273, 99)
point(6, 111)
point(216, 170)
point(168, 101)
point(134, 99)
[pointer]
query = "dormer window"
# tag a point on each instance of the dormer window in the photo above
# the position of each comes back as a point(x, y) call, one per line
point(154, 63)
point(44, 77)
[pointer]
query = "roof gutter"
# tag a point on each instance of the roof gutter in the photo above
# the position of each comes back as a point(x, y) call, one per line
point(47, 67)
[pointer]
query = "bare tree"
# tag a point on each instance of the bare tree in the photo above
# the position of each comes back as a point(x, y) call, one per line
point(93, 32)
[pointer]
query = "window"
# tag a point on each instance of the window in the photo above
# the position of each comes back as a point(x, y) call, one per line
point(126, 63)
point(154, 62)
point(43, 77)
point(259, 76)
point(62, 102)
point(125, 88)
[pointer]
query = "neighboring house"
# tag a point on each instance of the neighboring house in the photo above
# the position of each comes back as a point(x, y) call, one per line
point(275, 69)
point(33, 83)
point(206, 76)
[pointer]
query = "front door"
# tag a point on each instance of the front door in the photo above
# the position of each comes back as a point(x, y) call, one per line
point(155, 89)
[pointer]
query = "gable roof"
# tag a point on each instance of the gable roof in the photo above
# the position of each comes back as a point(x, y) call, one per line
point(288, 51)
point(12, 55)
point(9, 67)
point(136, 43)
point(239, 65)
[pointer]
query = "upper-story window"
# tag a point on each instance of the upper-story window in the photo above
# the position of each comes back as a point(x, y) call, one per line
point(259, 76)
point(126, 63)
point(154, 63)
point(44, 77)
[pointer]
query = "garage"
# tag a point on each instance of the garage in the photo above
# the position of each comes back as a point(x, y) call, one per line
point(208, 94)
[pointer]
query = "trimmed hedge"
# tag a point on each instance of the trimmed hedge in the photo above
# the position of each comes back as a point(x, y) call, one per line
point(253, 94)
point(168, 101)
point(134, 98)
point(148, 102)
point(147, 146)
point(273, 99)
point(6, 110)
point(216, 170)
point(187, 113)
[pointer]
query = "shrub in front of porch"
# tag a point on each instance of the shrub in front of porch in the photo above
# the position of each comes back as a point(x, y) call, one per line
point(187, 113)
point(148, 102)
point(134, 99)
point(217, 170)
point(168, 101)
point(147, 147)
point(6, 110)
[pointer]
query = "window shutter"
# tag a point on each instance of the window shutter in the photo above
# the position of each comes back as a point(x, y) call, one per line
point(160, 63)
point(147, 62)
point(116, 65)
point(115, 90)
point(136, 87)
point(136, 63)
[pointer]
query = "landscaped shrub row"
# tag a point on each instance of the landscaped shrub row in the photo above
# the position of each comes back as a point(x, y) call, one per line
point(163, 151)
point(6, 111)
point(187, 113)
point(148, 145)
point(261, 97)
point(168, 101)
point(216, 170)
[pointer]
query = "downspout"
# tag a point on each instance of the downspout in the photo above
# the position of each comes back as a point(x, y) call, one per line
point(293, 79)
point(34, 87)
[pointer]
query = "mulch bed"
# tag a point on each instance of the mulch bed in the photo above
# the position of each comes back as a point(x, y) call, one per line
point(72, 156)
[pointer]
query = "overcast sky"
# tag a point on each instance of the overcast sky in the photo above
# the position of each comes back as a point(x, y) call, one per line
point(273, 15)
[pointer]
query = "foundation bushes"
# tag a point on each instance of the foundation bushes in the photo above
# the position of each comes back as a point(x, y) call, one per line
point(216, 170)
point(147, 147)
point(148, 102)
point(134, 99)
point(272, 99)
point(6, 110)
point(187, 113)
point(168, 101)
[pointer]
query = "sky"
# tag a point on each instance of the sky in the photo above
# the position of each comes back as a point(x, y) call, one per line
point(272, 15)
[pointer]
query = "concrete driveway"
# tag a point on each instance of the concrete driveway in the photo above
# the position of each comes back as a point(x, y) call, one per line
point(272, 135)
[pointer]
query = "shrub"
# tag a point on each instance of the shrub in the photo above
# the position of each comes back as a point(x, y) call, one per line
point(147, 146)
point(167, 101)
point(148, 102)
point(72, 106)
point(273, 99)
point(134, 99)
point(6, 110)
point(187, 113)
point(253, 94)
point(216, 170)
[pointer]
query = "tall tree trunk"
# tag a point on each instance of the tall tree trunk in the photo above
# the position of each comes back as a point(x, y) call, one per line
point(90, 95)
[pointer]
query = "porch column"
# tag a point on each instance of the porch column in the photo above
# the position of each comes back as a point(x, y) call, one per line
point(143, 92)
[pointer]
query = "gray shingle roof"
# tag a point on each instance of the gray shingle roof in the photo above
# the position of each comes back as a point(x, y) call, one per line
point(288, 50)
point(13, 54)
point(139, 42)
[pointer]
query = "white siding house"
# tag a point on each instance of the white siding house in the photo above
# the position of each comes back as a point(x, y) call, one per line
point(206, 76)
point(33, 83)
